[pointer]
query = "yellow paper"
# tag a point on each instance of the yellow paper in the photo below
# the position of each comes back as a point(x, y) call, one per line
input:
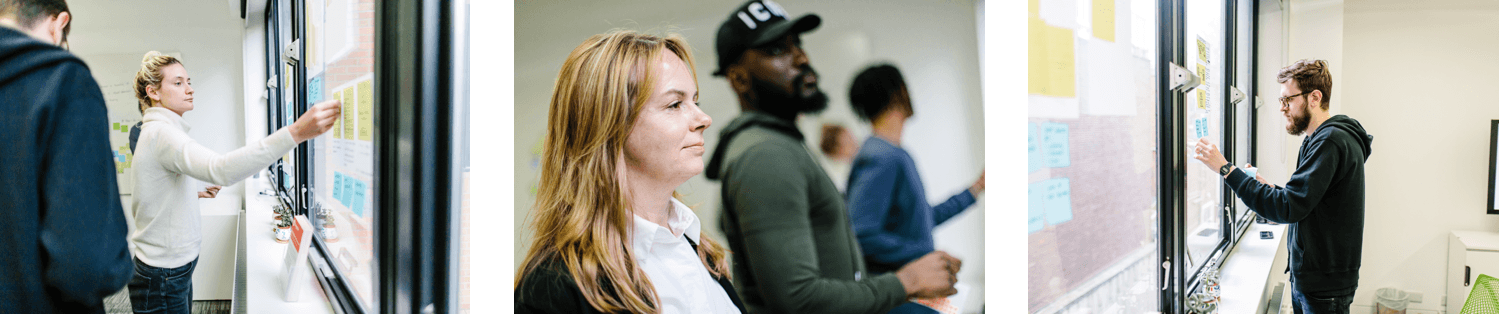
point(1035, 7)
point(1202, 72)
point(1052, 67)
point(1202, 98)
point(349, 112)
point(366, 109)
point(338, 126)
point(1202, 50)
point(1103, 19)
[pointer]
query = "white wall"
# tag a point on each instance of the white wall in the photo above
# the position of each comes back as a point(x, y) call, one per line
point(934, 45)
point(1414, 74)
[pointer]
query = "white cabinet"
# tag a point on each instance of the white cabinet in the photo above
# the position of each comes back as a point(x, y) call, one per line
point(1469, 253)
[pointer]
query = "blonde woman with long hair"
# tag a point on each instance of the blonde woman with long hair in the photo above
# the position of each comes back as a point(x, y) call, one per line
point(165, 233)
point(624, 130)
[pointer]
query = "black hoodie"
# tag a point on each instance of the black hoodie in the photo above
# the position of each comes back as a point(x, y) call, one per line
point(63, 231)
point(1323, 202)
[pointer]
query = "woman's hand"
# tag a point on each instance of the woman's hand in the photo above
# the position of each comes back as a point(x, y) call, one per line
point(211, 192)
point(978, 186)
point(318, 120)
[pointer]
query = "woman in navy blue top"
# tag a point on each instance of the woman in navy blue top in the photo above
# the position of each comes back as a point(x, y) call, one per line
point(887, 202)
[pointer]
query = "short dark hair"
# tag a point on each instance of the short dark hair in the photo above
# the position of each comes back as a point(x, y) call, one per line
point(29, 12)
point(874, 88)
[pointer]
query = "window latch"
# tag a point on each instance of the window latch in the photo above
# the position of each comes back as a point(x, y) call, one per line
point(1183, 80)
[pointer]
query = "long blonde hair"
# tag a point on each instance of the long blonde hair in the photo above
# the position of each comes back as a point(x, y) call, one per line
point(581, 216)
point(150, 75)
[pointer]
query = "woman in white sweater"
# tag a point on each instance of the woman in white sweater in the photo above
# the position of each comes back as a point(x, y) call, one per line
point(165, 230)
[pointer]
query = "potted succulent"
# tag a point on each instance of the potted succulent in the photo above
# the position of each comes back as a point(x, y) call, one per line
point(283, 229)
point(330, 230)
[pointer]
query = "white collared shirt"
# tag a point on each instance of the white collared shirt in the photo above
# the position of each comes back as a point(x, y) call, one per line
point(682, 282)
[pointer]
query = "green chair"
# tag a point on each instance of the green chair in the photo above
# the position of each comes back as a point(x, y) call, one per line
point(1484, 298)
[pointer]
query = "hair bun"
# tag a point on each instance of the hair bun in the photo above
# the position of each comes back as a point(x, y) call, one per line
point(150, 55)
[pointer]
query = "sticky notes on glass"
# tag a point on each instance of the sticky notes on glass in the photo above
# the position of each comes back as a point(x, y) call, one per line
point(348, 196)
point(315, 89)
point(338, 187)
point(1057, 198)
point(1201, 126)
point(348, 112)
point(358, 198)
point(1052, 63)
point(1103, 19)
point(366, 109)
point(1054, 144)
point(338, 125)
point(1034, 158)
point(1035, 218)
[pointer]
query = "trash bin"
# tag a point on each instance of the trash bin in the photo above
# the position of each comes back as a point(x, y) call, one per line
point(1390, 301)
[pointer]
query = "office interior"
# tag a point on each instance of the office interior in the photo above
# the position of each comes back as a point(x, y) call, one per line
point(1122, 219)
point(389, 224)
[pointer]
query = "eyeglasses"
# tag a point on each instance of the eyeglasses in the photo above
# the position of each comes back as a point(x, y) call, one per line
point(1286, 101)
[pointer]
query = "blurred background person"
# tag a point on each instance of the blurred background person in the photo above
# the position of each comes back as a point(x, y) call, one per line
point(887, 201)
point(838, 146)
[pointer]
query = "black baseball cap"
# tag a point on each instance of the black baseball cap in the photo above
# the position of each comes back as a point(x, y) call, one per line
point(756, 23)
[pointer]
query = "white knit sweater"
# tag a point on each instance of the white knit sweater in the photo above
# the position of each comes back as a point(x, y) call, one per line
point(164, 218)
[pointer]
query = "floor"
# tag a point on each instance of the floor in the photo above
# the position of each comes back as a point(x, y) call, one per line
point(119, 303)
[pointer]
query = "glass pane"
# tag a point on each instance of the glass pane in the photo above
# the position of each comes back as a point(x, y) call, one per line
point(340, 65)
point(1243, 81)
point(1091, 139)
point(460, 148)
point(1204, 118)
point(288, 91)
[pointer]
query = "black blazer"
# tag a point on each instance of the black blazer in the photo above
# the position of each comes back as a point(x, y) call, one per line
point(550, 289)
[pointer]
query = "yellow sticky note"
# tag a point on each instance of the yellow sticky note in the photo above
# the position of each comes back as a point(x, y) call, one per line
point(366, 109)
point(1036, 57)
point(349, 112)
point(1202, 72)
point(1103, 19)
point(1202, 98)
point(1062, 64)
point(1035, 8)
point(338, 126)
point(1051, 60)
point(1202, 50)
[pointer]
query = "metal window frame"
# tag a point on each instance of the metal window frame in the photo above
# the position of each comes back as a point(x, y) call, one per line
point(1178, 282)
point(413, 176)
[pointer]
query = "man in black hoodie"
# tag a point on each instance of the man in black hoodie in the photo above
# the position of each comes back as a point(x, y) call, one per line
point(63, 235)
point(1323, 201)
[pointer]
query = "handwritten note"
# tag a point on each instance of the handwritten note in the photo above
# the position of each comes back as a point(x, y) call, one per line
point(315, 90)
point(1035, 218)
point(1034, 158)
point(1054, 144)
point(338, 186)
point(359, 192)
point(1058, 200)
point(349, 111)
point(366, 109)
point(348, 196)
point(1052, 63)
point(1103, 19)
point(338, 125)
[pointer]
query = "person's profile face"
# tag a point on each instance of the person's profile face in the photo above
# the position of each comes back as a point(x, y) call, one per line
point(666, 139)
point(785, 65)
point(176, 91)
point(1294, 107)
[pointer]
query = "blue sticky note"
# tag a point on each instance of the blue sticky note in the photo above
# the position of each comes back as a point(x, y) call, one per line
point(315, 90)
point(338, 186)
point(359, 189)
point(1058, 195)
point(348, 197)
point(1202, 127)
point(120, 156)
point(1035, 218)
point(1054, 145)
point(1033, 149)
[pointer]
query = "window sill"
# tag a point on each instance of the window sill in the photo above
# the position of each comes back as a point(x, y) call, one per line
point(1247, 270)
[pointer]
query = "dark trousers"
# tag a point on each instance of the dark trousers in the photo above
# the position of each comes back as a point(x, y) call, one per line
point(155, 290)
point(1305, 304)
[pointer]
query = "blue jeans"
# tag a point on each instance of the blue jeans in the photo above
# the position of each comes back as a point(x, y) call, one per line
point(1304, 304)
point(162, 290)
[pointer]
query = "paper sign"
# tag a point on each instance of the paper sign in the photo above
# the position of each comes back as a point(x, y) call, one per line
point(1054, 144)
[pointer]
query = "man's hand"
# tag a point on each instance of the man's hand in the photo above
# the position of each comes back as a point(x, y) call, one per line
point(1209, 155)
point(1257, 176)
point(930, 276)
point(211, 192)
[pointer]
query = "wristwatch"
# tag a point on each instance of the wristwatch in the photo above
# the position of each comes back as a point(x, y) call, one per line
point(1223, 171)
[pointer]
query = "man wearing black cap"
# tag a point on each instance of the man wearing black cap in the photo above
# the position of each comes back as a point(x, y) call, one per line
point(786, 222)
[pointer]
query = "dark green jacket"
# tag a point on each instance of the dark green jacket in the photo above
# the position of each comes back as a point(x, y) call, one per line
point(787, 226)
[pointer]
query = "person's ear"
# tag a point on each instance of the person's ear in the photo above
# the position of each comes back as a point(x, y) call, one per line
point(57, 25)
point(739, 78)
point(1315, 99)
point(153, 93)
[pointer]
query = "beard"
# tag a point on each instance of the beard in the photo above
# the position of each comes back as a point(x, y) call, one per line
point(1298, 123)
point(778, 102)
